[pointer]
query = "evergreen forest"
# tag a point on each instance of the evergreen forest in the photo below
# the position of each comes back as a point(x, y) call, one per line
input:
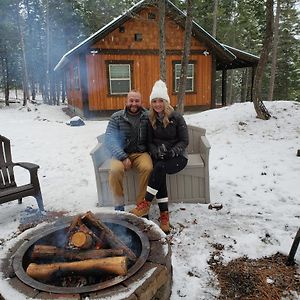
point(34, 34)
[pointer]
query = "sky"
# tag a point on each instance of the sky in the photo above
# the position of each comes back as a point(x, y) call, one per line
point(254, 174)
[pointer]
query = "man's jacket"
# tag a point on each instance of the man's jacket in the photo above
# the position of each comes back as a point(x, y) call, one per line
point(119, 133)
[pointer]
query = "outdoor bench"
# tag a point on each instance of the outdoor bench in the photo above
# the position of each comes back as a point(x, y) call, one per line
point(191, 185)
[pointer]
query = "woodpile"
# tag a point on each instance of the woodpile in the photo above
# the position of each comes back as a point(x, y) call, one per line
point(90, 247)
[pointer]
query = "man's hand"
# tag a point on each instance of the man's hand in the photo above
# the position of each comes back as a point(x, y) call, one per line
point(127, 163)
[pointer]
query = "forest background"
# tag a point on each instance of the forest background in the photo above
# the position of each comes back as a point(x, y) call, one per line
point(34, 34)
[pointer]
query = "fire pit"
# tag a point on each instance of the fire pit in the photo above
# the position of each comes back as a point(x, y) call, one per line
point(147, 276)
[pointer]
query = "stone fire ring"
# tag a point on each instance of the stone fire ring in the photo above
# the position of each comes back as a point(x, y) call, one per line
point(152, 280)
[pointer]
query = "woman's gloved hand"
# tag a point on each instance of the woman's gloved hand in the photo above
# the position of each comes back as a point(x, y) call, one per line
point(169, 154)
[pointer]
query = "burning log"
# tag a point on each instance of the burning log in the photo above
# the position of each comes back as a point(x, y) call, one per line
point(111, 238)
point(100, 240)
point(48, 251)
point(81, 239)
point(44, 272)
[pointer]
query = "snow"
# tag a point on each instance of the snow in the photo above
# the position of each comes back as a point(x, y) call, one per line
point(254, 174)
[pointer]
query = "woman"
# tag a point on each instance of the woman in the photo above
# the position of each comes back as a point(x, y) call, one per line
point(167, 142)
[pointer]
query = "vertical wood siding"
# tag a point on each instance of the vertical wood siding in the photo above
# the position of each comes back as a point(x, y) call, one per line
point(74, 96)
point(122, 46)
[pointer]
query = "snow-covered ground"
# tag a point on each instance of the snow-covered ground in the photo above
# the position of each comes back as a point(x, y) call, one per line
point(254, 173)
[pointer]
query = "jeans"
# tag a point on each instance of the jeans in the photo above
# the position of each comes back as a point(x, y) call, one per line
point(157, 180)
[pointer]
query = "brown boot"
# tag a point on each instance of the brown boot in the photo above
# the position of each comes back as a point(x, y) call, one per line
point(164, 222)
point(142, 209)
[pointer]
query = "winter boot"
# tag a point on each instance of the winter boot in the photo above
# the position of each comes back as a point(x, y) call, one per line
point(120, 208)
point(164, 222)
point(142, 209)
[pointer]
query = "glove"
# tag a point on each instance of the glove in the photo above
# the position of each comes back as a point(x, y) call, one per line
point(161, 151)
point(170, 154)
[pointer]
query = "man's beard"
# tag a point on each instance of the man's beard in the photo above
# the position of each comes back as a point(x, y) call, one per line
point(135, 111)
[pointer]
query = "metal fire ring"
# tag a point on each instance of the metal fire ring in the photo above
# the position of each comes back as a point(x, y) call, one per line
point(22, 275)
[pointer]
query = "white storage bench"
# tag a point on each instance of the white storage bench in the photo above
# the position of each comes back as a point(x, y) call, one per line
point(191, 185)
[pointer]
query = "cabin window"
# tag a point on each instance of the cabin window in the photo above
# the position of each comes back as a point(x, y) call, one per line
point(119, 78)
point(190, 78)
point(151, 16)
point(138, 37)
point(76, 77)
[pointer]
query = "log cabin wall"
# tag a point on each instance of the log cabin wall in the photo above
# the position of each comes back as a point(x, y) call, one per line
point(73, 86)
point(120, 45)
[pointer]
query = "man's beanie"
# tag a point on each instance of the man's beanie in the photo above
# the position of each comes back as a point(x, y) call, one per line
point(159, 90)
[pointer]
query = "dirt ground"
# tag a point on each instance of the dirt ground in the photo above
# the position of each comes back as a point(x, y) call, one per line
point(267, 278)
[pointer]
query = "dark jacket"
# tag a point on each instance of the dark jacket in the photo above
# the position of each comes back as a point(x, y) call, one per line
point(175, 136)
point(120, 131)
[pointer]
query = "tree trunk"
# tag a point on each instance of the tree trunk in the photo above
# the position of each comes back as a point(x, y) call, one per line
point(33, 90)
point(244, 85)
point(6, 83)
point(5, 75)
point(215, 16)
point(63, 89)
point(47, 77)
point(274, 52)
point(259, 106)
point(162, 40)
point(185, 56)
point(230, 87)
point(52, 86)
point(25, 71)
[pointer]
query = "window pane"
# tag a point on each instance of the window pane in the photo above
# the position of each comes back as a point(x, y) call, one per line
point(120, 86)
point(190, 70)
point(190, 77)
point(177, 70)
point(119, 71)
point(176, 84)
point(189, 84)
point(120, 79)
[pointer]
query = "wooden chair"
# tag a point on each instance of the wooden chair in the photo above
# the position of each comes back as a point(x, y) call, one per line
point(9, 190)
point(191, 185)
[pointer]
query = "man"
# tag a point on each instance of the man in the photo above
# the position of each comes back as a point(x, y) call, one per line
point(126, 139)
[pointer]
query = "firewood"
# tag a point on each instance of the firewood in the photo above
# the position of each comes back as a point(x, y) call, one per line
point(111, 238)
point(44, 272)
point(81, 239)
point(48, 251)
point(76, 222)
point(99, 239)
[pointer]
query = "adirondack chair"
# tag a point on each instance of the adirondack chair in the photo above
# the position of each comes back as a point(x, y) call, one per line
point(9, 190)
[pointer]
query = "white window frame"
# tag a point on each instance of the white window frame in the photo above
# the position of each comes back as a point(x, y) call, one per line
point(176, 78)
point(119, 79)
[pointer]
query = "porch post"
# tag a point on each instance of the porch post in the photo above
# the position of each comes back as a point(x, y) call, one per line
point(224, 86)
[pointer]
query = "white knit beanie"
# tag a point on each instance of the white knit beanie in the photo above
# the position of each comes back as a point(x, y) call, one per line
point(159, 90)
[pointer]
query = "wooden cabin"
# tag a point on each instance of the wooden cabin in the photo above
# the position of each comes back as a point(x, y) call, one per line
point(124, 55)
